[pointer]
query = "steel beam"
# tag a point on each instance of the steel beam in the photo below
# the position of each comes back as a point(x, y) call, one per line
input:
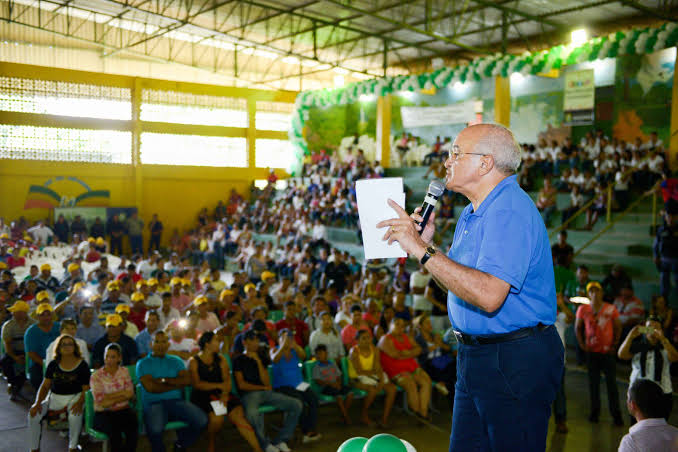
point(518, 12)
point(406, 26)
point(650, 11)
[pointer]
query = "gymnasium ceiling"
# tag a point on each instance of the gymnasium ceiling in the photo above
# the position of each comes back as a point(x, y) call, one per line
point(308, 43)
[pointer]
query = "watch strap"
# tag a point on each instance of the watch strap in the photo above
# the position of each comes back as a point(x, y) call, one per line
point(430, 251)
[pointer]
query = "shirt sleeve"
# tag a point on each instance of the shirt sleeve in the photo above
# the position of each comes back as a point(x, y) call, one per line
point(49, 372)
point(628, 445)
point(83, 373)
point(614, 314)
point(506, 248)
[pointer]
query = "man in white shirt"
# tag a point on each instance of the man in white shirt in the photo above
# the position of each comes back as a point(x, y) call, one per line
point(651, 433)
point(418, 282)
point(148, 266)
point(40, 233)
point(653, 143)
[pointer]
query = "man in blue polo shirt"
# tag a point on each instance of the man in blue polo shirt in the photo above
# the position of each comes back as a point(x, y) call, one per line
point(501, 296)
point(163, 378)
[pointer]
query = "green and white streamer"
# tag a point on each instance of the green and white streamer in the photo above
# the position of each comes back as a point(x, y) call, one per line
point(633, 42)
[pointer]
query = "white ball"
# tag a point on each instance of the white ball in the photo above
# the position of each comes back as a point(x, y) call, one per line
point(408, 446)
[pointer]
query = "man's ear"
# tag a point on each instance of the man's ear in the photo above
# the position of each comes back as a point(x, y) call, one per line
point(486, 164)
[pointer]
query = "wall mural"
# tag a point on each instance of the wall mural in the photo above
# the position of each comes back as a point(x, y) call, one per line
point(65, 191)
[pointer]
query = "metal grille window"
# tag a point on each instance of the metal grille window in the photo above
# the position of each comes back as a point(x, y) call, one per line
point(274, 115)
point(193, 150)
point(65, 145)
point(187, 108)
point(64, 98)
point(273, 153)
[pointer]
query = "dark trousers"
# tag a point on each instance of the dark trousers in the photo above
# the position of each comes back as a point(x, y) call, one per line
point(154, 243)
point(309, 419)
point(115, 424)
point(13, 372)
point(158, 414)
point(668, 266)
point(448, 375)
point(605, 363)
point(560, 404)
point(136, 243)
point(35, 375)
point(116, 246)
point(504, 393)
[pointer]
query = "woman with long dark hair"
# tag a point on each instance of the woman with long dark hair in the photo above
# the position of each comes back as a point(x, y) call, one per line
point(211, 382)
point(113, 390)
point(61, 395)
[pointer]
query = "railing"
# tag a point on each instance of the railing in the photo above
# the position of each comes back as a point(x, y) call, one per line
point(610, 224)
point(608, 210)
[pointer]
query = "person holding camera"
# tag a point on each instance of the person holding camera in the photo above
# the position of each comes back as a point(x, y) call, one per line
point(651, 355)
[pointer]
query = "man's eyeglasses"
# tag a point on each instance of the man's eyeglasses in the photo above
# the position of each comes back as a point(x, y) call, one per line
point(456, 153)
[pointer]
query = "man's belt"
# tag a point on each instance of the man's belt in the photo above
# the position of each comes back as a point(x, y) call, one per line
point(470, 339)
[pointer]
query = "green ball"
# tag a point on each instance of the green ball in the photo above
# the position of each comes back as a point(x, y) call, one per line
point(353, 445)
point(384, 442)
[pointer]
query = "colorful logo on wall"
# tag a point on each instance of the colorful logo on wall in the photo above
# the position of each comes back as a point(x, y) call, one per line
point(64, 191)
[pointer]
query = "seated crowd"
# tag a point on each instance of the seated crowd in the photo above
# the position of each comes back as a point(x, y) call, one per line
point(170, 337)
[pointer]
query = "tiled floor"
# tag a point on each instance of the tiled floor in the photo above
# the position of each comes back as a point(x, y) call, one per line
point(583, 436)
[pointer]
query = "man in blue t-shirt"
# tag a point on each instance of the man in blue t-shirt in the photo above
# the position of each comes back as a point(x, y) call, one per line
point(36, 340)
point(163, 378)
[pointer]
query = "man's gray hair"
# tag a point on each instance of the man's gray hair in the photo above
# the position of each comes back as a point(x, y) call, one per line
point(499, 141)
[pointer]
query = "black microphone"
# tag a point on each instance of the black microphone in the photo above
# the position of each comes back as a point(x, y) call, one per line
point(435, 190)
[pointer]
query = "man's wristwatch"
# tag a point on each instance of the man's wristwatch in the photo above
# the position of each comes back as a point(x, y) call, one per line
point(163, 380)
point(430, 251)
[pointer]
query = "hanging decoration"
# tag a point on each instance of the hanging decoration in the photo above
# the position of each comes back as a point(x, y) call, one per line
point(637, 41)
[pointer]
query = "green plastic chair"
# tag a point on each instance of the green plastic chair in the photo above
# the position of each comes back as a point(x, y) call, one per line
point(94, 434)
point(274, 316)
point(357, 393)
point(132, 369)
point(308, 376)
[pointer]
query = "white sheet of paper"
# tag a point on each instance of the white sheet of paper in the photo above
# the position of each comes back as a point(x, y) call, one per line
point(218, 407)
point(372, 196)
point(303, 386)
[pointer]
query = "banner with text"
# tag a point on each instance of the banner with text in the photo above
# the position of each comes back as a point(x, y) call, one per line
point(459, 113)
point(579, 98)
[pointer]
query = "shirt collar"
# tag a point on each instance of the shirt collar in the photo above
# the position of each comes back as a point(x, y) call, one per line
point(511, 180)
point(652, 422)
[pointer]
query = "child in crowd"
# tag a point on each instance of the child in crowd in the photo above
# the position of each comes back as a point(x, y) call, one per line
point(327, 375)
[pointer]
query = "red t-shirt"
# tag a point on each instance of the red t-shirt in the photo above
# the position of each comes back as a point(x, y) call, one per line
point(138, 318)
point(598, 327)
point(299, 329)
point(13, 262)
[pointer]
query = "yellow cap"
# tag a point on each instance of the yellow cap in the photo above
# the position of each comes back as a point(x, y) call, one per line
point(19, 306)
point(112, 285)
point(100, 241)
point(42, 295)
point(77, 286)
point(175, 280)
point(249, 286)
point(113, 319)
point(91, 239)
point(137, 296)
point(27, 238)
point(73, 267)
point(122, 308)
point(200, 300)
point(43, 307)
point(185, 282)
point(96, 296)
point(152, 282)
point(3, 265)
point(205, 280)
point(44, 267)
point(224, 293)
point(267, 274)
point(4, 236)
point(141, 283)
point(593, 284)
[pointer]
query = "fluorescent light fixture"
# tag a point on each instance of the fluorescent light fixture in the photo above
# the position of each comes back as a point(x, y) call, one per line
point(309, 63)
point(338, 81)
point(407, 94)
point(517, 77)
point(340, 71)
point(366, 98)
point(579, 36)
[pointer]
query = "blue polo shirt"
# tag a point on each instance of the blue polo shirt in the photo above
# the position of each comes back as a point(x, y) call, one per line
point(506, 238)
point(167, 367)
point(287, 372)
point(36, 340)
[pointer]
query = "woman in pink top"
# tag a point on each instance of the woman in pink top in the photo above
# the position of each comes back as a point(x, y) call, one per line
point(399, 360)
point(207, 321)
point(112, 390)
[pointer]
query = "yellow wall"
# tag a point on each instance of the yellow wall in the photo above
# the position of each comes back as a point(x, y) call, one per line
point(175, 193)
